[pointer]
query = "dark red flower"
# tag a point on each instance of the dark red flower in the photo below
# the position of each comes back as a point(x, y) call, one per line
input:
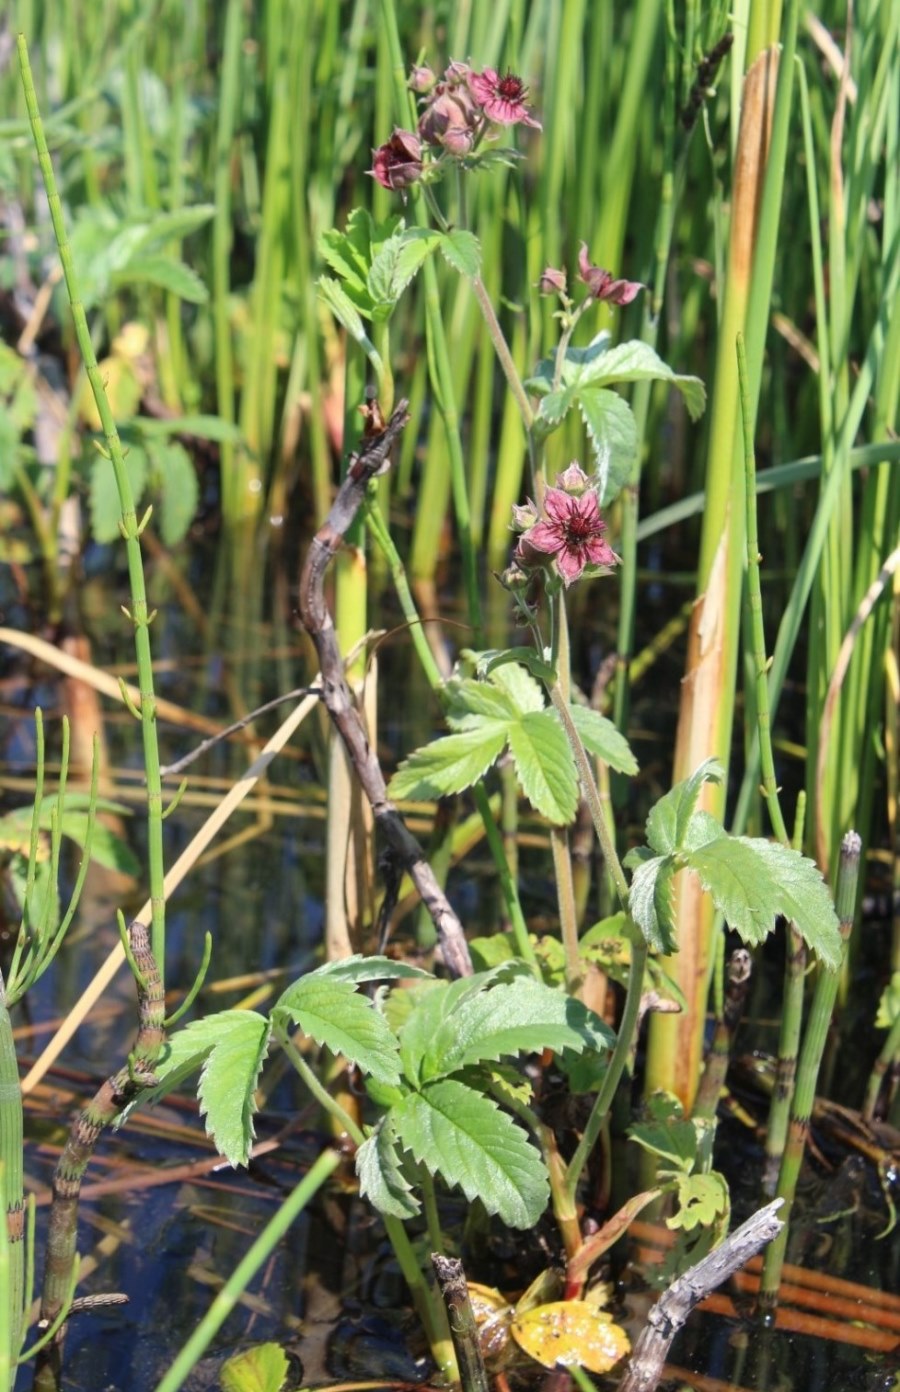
point(398, 163)
point(601, 284)
point(502, 98)
point(572, 534)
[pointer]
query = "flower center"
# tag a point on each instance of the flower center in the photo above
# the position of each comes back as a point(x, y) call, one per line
point(579, 529)
point(512, 88)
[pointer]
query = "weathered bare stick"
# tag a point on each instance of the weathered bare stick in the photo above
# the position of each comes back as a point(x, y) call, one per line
point(673, 1307)
point(372, 459)
point(451, 1280)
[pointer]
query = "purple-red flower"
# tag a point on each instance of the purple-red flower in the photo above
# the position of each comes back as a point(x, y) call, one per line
point(502, 98)
point(398, 163)
point(572, 534)
point(601, 284)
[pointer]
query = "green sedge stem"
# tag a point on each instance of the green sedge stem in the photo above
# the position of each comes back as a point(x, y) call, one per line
point(766, 757)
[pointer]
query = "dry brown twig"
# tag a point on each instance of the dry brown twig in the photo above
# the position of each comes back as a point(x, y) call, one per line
point(372, 459)
point(673, 1307)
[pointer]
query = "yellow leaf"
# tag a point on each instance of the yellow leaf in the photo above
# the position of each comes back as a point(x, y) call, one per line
point(570, 1333)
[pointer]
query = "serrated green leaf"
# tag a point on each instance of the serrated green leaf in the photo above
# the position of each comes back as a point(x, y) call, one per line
point(636, 361)
point(612, 431)
point(180, 490)
point(106, 511)
point(526, 693)
point(397, 263)
point(380, 1173)
point(228, 1078)
point(260, 1369)
point(167, 273)
point(464, 1137)
point(492, 660)
point(492, 951)
point(889, 1005)
point(346, 313)
point(437, 1001)
point(480, 698)
point(512, 1017)
point(667, 1133)
point(463, 251)
point(202, 427)
point(450, 764)
point(668, 820)
point(359, 968)
point(650, 901)
point(702, 828)
point(332, 1013)
point(172, 226)
point(601, 364)
point(555, 405)
point(702, 1199)
point(346, 259)
point(544, 765)
point(753, 881)
point(601, 738)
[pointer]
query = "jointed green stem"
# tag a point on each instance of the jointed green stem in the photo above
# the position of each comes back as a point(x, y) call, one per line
point(808, 1068)
point(131, 529)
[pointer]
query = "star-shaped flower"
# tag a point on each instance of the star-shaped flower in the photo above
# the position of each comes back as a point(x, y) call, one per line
point(571, 532)
point(502, 98)
point(601, 283)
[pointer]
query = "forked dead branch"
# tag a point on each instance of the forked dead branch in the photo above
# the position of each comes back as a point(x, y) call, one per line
point(373, 458)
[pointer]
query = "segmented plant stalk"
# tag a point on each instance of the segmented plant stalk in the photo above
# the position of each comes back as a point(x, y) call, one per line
point(451, 1279)
point(12, 1292)
point(886, 1060)
point(230, 469)
point(808, 1068)
point(737, 983)
point(115, 1094)
point(131, 528)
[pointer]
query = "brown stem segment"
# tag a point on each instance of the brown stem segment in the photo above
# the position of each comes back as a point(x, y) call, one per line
point(115, 1094)
point(371, 460)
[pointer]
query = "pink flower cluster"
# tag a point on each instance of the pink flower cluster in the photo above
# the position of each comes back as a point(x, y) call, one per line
point(571, 532)
point(458, 110)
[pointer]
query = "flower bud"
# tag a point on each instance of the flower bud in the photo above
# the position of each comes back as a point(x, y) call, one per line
point(398, 163)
